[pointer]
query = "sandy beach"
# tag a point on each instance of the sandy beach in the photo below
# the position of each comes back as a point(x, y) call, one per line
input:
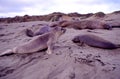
point(68, 61)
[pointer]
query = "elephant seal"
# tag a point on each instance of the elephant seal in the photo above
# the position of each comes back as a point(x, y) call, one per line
point(39, 42)
point(94, 41)
point(58, 23)
point(42, 30)
point(86, 24)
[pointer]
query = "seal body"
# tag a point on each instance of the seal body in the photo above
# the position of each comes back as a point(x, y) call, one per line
point(84, 24)
point(94, 41)
point(39, 42)
point(42, 30)
point(36, 44)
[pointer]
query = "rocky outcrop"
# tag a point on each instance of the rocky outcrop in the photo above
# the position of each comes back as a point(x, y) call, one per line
point(26, 18)
point(99, 14)
point(116, 12)
point(50, 17)
point(74, 14)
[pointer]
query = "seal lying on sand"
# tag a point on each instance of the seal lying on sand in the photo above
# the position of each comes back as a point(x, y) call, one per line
point(94, 41)
point(84, 24)
point(42, 30)
point(58, 23)
point(39, 42)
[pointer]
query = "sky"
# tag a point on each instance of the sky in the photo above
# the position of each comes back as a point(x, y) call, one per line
point(11, 8)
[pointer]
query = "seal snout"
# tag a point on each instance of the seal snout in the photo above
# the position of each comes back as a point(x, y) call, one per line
point(76, 40)
point(63, 30)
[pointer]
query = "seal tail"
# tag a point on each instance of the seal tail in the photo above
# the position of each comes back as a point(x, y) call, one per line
point(6, 53)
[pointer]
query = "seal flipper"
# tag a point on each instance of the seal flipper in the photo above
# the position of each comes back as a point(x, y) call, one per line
point(80, 44)
point(7, 53)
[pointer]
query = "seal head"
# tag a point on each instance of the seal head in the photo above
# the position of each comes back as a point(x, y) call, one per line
point(107, 26)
